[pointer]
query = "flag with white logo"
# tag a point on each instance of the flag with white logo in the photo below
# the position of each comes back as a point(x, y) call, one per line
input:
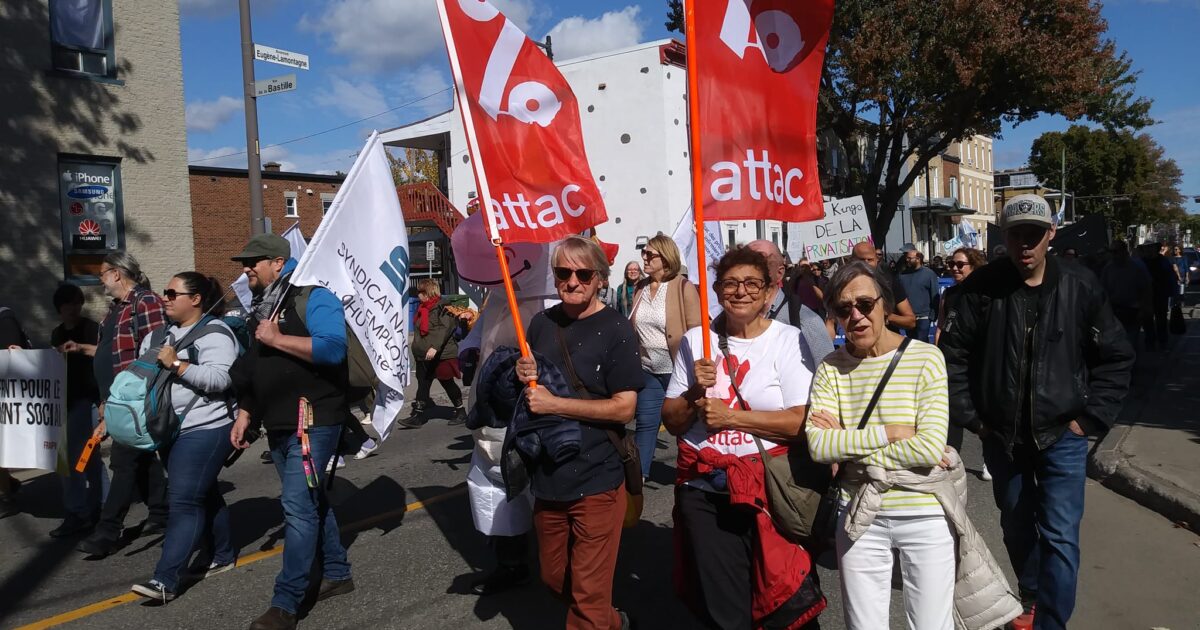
point(523, 128)
point(360, 253)
point(759, 69)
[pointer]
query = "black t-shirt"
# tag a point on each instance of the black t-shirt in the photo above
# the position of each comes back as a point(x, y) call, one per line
point(11, 333)
point(607, 359)
point(81, 382)
point(1028, 299)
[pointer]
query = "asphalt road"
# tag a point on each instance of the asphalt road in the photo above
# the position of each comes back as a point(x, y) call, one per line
point(405, 518)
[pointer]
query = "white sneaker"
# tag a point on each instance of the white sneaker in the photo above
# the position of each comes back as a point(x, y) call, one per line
point(366, 420)
point(341, 463)
point(987, 476)
point(368, 448)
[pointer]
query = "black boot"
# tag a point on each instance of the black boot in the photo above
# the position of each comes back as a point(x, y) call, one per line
point(416, 419)
point(460, 415)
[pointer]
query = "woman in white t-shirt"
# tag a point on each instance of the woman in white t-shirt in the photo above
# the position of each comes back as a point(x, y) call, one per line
point(735, 569)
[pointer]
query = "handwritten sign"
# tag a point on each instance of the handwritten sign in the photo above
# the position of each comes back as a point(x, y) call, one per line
point(835, 235)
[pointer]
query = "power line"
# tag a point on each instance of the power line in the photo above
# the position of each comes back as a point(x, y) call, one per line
point(331, 129)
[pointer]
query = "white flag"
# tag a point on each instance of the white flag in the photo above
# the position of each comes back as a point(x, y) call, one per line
point(241, 288)
point(685, 238)
point(296, 240)
point(360, 253)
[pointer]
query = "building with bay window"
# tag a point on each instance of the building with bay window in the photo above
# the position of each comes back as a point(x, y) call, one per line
point(94, 155)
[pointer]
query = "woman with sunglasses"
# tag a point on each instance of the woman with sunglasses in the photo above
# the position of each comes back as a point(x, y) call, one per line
point(665, 306)
point(735, 569)
point(202, 396)
point(905, 430)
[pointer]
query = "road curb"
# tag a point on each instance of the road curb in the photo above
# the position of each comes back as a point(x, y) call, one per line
point(1119, 471)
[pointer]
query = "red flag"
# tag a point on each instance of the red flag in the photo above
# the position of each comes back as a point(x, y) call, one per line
point(523, 128)
point(759, 64)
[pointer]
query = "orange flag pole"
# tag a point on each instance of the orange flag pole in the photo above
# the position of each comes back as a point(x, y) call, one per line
point(693, 75)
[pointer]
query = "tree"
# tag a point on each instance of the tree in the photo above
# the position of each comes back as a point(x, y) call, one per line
point(1128, 177)
point(927, 73)
point(674, 16)
point(416, 165)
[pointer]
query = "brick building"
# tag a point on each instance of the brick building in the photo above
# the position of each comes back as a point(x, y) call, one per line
point(221, 210)
point(94, 156)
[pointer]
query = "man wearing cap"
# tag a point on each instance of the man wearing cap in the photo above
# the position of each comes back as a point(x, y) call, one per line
point(299, 351)
point(1037, 363)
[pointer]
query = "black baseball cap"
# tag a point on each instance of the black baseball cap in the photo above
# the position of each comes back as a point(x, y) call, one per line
point(265, 246)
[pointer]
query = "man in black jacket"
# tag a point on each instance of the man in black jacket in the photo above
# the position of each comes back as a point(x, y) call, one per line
point(1036, 363)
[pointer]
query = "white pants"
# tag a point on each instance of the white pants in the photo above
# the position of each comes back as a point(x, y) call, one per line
point(927, 565)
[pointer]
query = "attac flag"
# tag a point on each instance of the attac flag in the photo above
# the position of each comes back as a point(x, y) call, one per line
point(360, 253)
point(523, 128)
point(759, 71)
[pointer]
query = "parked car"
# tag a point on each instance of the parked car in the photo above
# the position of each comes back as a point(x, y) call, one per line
point(1193, 260)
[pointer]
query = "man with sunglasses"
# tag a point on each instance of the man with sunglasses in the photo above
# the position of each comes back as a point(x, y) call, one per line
point(1037, 363)
point(298, 351)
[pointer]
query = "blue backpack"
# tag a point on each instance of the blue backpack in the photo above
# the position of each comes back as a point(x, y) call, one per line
point(138, 412)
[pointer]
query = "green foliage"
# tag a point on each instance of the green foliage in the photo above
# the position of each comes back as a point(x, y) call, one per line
point(1127, 176)
point(416, 165)
point(674, 16)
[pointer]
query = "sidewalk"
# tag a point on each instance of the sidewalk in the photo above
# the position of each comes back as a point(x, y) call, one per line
point(1152, 455)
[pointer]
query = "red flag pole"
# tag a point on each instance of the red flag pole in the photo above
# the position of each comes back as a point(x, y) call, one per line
point(693, 75)
point(481, 183)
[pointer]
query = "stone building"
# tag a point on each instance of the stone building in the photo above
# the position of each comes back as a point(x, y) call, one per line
point(94, 155)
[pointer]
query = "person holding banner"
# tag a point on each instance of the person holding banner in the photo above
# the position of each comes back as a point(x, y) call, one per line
point(135, 313)
point(12, 337)
point(295, 355)
point(735, 569)
point(436, 354)
point(83, 492)
point(665, 306)
point(202, 397)
point(580, 503)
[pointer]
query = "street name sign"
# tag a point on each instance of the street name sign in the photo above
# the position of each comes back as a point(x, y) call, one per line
point(275, 85)
point(281, 57)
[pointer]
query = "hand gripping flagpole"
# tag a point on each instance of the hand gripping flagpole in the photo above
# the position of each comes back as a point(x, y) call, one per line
point(693, 76)
point(481, 183)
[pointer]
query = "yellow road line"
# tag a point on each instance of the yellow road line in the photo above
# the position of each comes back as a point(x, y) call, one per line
point(121, 600)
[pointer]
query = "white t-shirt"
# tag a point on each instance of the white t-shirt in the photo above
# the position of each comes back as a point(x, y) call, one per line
point(770, 375)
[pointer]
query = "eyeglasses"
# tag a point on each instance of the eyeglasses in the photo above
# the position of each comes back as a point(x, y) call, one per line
point(648, 255)
point(563, 274)
point(864, 306)
point(171, 294)
point(728, 287)
point(958, 264)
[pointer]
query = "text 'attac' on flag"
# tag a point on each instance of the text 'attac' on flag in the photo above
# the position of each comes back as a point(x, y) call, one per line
point(523, 128)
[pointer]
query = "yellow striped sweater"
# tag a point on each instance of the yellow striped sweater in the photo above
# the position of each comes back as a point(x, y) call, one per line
point(915, 396)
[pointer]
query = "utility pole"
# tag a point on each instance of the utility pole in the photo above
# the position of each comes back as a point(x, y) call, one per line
point(253, 159)
point(1063, 200)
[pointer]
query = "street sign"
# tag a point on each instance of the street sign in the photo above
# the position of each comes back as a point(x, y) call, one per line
point(429, 251)
point(275, 85)
point(281, 57)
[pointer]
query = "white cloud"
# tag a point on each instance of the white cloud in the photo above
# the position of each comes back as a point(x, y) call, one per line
point(577, 36)
point(426, 80)
point(377, 35)
point(324, 162)
point(354, 99)
point(208, 115)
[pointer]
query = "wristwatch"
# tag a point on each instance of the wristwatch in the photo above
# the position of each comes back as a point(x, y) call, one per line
point(175, 364)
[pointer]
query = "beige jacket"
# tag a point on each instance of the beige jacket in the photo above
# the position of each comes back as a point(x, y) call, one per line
point(683, 309)
point(982, 597)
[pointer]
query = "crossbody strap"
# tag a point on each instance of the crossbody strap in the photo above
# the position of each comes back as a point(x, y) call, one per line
point(582, 390)
point(723, 346)
point(887, 375)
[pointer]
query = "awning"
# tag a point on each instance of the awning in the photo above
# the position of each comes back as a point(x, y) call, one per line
point(940, 206)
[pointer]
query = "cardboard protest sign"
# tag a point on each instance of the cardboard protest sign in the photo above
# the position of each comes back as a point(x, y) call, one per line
point(33, 389)
point(835, 235)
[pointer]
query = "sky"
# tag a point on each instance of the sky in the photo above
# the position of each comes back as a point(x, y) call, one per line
point(378, 64)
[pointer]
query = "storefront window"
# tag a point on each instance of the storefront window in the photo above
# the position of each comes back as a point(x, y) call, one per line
point(92, 214)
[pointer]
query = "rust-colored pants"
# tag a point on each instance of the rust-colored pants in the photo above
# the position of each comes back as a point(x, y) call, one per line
point(577, 547)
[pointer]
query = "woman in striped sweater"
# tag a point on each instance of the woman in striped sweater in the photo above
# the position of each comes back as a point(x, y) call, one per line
point(906, 430)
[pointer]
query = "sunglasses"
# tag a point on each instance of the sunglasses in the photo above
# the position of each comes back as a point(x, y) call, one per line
point(253, 262)
point(171, 294)
point(648, 255)
point(563, 274)
point(863, 305)
point(958, 264)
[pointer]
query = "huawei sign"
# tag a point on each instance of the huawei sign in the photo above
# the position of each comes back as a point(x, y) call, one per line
point(88, 227)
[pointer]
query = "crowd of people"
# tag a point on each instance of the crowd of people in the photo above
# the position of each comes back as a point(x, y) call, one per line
point(881, 418)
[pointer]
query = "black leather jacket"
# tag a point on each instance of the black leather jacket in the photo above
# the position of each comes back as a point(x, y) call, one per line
point(1081, 357)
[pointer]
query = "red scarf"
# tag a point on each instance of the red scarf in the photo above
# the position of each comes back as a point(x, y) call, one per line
point(423, 314)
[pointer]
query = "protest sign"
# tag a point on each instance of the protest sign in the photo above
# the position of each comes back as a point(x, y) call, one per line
point(33, 387)
point(844, 225)
point(367, 269)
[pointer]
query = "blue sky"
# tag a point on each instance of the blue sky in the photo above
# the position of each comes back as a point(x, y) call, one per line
point(384, 59)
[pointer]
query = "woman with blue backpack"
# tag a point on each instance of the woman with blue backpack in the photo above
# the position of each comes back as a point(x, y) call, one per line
point(197, 350)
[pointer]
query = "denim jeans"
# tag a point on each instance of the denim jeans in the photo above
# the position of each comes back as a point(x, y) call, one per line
point(920, 332)
point(83, 493)
point(649, 417)
point(1040, 496)
point(309, 521)
point(196, 506)
point(134, 473)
